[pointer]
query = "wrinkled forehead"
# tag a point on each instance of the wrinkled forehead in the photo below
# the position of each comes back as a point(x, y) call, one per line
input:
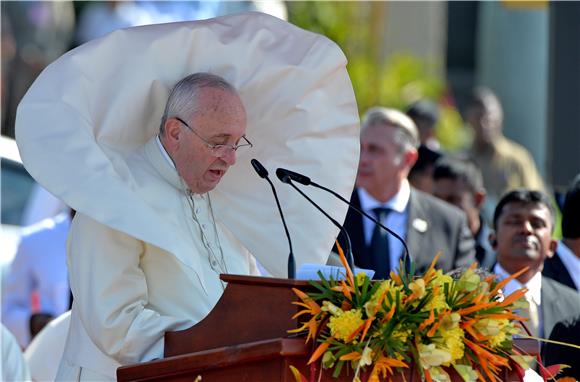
point(213, 100)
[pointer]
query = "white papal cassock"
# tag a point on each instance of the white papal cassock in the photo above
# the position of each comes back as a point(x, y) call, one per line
point(144, 255)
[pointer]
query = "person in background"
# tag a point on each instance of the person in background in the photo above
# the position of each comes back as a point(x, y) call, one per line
point(13, 367)
point(564, 266)
point(38, 270)
point(523, 222)
point(389, 141)
point(459, 182)
point(421, 174)
point(425, 115)
point(567, 331)
point(505, 165)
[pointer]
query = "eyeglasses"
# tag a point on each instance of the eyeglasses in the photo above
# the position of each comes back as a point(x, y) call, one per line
point(218, 150)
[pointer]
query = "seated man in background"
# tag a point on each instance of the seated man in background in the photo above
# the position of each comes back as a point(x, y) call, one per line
point(459, 182)
point(523, 223)
point(389, 141)
point(564, 266)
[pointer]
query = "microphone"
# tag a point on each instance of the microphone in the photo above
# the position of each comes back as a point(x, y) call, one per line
point(286, 176)
point(263, 173)
point(303, 179)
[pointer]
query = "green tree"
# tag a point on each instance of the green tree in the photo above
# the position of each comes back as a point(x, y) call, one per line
point(397, 82)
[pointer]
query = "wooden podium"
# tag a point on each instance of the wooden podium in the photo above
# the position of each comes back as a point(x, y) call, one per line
point(245, 338)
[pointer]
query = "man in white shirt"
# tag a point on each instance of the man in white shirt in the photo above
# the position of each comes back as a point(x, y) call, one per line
point(564, 266)
point(523, 223)
point(38, 267)
point(389, 141)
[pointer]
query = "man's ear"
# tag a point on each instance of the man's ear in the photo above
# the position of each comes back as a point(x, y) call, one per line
point(479, 198)
point(493, 240)
point(171, 134)
point(410, 157)
point(552, 247)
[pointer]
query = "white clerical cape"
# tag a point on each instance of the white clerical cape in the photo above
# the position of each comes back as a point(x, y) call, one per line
point(85, 130)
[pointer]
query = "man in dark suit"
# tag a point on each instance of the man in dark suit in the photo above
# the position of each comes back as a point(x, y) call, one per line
point(389, 141)
point(564, 266)
point(459, 182)
point(523, 222)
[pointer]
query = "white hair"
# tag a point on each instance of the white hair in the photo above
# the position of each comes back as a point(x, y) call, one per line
point(406, 134)
point(182, 101)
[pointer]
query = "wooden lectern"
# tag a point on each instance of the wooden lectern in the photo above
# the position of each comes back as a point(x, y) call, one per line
point(245, 338)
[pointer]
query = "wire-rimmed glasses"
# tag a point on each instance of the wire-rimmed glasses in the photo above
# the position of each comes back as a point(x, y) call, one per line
point(218, 150)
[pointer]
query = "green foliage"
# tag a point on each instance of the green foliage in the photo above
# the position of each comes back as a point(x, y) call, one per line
point(396, 82)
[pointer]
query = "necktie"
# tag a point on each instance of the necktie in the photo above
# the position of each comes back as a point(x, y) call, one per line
point(380, 246)
point(531, 313)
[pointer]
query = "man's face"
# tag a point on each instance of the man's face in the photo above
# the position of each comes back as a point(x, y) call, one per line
point(458, 193)
point(381, 162)
point(523, 236)
point(220, 119)
point(485, 122)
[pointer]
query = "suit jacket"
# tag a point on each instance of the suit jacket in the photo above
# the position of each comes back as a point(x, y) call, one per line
point(565, 331)
point(555, 269)
point(558, 303)
point(446, 231)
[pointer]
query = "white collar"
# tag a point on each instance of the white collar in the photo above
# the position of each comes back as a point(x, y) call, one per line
point(397, 203)
point(534, 285)
point(570, 261)
point(164, 152)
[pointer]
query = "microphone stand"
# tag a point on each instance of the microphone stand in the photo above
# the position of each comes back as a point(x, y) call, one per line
point(349, 257)
point(263, 173)
point(303, 179)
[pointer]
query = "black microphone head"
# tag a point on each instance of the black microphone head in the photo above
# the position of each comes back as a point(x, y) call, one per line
point(261, 170)
point(283, 175)
point(302, 179)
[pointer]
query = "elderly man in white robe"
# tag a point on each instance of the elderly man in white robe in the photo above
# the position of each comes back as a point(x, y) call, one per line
point(161, 209)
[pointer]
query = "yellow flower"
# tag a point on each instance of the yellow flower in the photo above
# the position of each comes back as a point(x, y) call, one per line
point(493, 329)
point(418, 288)
point(430, 355)
point(386, 288)
point(360, 278)
point(401, 334)
point(344, 324)
point(469, 281)
point(450, 321)
point(437, 302)
point(452, 341)
point(441, 278)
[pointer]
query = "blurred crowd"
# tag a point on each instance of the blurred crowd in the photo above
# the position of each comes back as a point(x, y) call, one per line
point(487, 204)
point(35, 33)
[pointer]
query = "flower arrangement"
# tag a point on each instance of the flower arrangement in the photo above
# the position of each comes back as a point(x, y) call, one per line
point(434, 322)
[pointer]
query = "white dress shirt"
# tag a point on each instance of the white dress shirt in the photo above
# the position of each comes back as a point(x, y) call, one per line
point(534, 292)
point(571, 262)
point(396, 219)
point(39, 266)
